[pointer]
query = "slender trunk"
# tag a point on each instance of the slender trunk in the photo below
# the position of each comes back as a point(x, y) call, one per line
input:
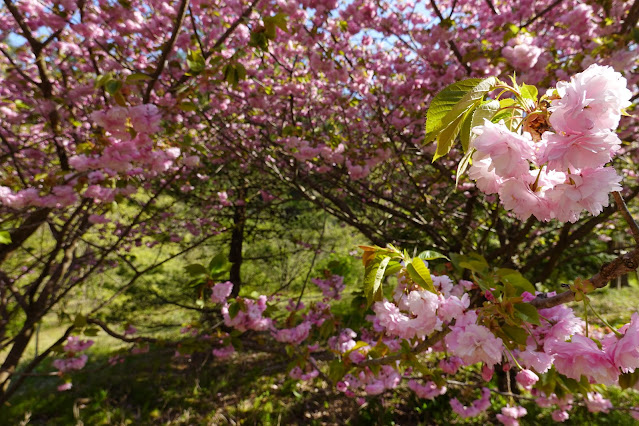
point(237, 240)
point(13, 358)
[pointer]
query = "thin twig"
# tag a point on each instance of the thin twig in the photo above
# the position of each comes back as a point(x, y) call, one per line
point(542, 13)
point(310, 269)
point(623, 209)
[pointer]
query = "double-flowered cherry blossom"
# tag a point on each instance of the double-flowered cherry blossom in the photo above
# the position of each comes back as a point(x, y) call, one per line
point(564, 173)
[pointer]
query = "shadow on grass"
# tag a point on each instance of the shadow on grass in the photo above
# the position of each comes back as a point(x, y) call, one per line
point(251, 388)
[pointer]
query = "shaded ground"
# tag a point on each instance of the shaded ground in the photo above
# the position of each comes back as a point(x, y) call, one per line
point(253, 389)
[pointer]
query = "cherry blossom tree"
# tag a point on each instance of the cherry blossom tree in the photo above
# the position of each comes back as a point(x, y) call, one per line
point(117, 114)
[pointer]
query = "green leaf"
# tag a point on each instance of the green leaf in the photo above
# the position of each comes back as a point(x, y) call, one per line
point(506, 114)
point(278, 20)
point(450, 125)
point(187, 106)
point(516, 279)
point(527, 312)
point(80, 321)
point(91, 331)
point(443, 103)
point(419, 273)
point(529, 92)
point(336, 370)
point(195, 62)
point(431, 255)
point(470, 100)
point(446, 138)
point(195, 269)
point(393, 268)
point(137, 77)
point(218, 263)
point(374, 274)
point(487, 110)
point(113, 86)
point(234, 308)
point(516, 334)
point(465, 130)
point(5, 237)
point(360, 344)
point(103, 79)
point(473, 261)
point(119, 99)
point(240, 71)
point(463, 165)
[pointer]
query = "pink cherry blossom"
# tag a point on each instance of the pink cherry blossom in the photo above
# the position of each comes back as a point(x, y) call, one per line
point(69, 364)
point(516, 195)
point(75, 344)
point(451, 365)
point(580, 357)
point(428, 390)
point(224, 352)
point(564, 152)
point(474, 343)
point(560, 416)
point(527, 378)
point(221, 291)
point(509, 152)
point(521, 53)
point(476, 408)
point(250, 317)
point(295, 335)
point(485, 176)
point(65, 386)
point(625, 351)
point(145, 118)
point(591, 101)
point(509, 415)
point(589, 192)
point(597, 403)
point(540, 361)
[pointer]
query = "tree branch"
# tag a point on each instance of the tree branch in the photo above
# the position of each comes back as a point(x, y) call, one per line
point(623, 209)
point(167, 50)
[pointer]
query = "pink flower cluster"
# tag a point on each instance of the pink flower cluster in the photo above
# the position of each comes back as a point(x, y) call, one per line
point(521, 53)
point(429, 390)
point(476, 408)
point(596, 403)
point(295, 335)
point(221, 291)
point(331, 287)
point(75, 344)
point(473, 343)
point(69, 364)
point(72, 361)
point(250, 315)
point(421, 319)
point(509, 415)
point(60, 196)
point(373, 384)
point(143, 119)
point(568, 174)
point(224, 352)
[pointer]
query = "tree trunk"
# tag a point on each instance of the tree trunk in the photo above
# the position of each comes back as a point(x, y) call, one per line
point(13, 358)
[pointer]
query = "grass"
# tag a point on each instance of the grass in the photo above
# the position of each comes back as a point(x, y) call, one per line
point(253, 388)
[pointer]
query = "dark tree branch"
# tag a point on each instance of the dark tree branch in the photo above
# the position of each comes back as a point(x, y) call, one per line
point(167, 50)
point(451, 43)
point(542, 13)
